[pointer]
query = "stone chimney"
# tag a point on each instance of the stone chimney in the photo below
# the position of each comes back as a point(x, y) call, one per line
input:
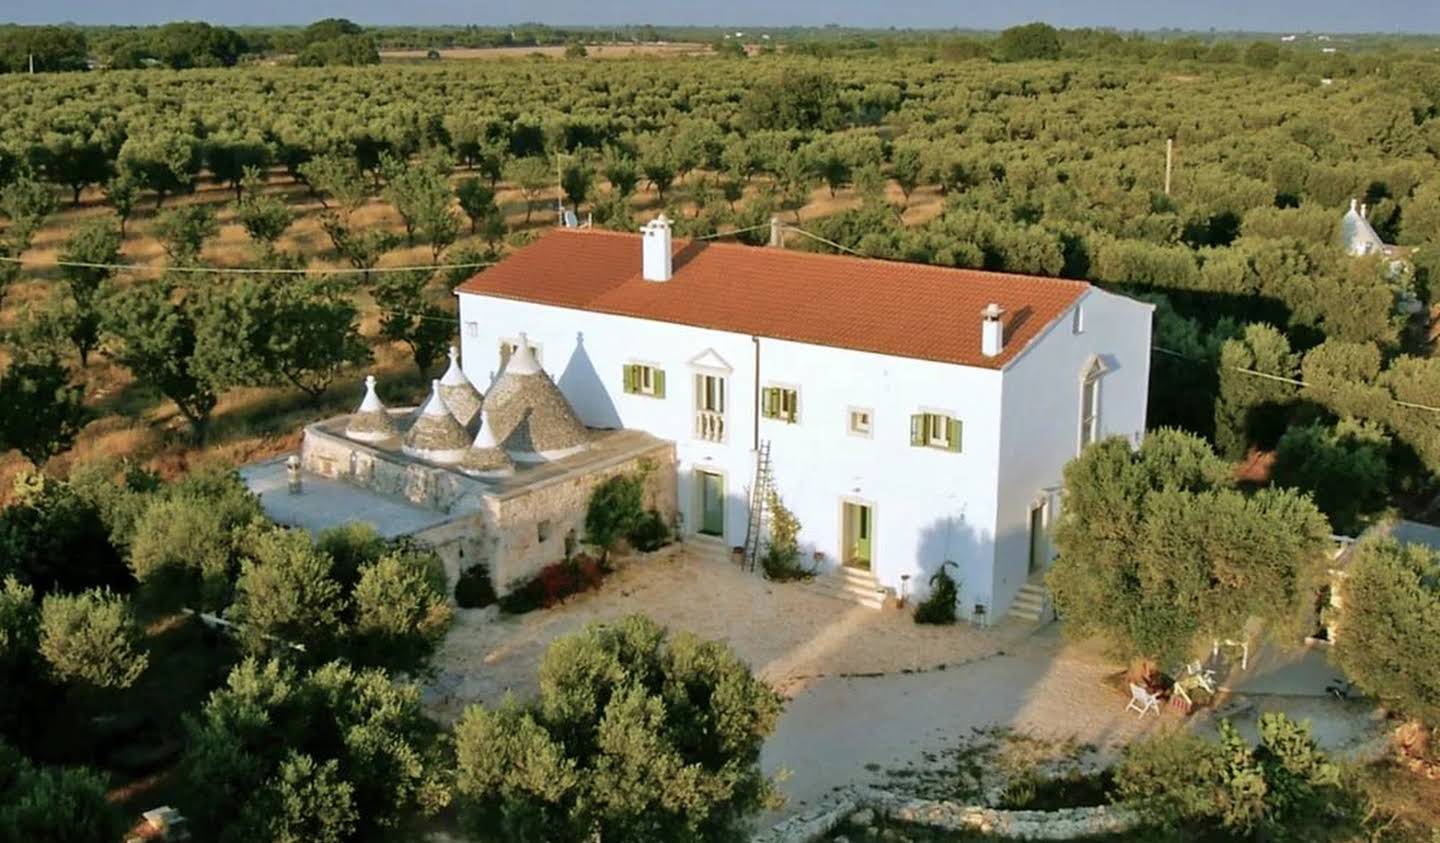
point(657, 258)
point(992, 332)
point(777, 233)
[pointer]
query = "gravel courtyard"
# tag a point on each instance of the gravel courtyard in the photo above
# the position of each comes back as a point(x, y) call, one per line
point(866, 689)
point(789, 635)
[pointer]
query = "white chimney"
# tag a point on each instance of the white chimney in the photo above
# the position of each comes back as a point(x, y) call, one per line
point(656, 236)
point(992, 333)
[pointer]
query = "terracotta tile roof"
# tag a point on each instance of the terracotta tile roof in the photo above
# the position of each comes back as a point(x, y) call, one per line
point(886, 307)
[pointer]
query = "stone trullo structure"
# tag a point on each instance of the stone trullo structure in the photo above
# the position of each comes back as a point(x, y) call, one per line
point(499, 479)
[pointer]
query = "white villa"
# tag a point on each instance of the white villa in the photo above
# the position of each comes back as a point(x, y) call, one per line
point(912, 414)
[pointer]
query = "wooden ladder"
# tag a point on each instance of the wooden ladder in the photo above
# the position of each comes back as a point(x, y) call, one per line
point(759, 503)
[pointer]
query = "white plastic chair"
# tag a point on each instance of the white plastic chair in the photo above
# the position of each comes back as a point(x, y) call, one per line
point(1204, 676)
point(1143, 701)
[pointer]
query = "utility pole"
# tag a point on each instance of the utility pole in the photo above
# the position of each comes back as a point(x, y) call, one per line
point(1169, 162)
point(32, 64)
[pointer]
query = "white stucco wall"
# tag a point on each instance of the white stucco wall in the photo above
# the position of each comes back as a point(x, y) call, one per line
point(1041, 407)
point(929, 505)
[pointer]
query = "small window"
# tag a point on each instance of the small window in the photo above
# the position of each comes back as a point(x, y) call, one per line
point(861, 421)
point(780, 403)
point(472, 329)
point(1077, 320)
point(641, 379)
point(935, 430)
point(542, 531)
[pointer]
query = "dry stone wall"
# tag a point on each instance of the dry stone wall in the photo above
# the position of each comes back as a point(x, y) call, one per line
point(333, 456)
point(531, 526)
point(1064, 824)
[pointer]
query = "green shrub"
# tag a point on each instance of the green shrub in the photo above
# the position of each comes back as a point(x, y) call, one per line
point(474, 590)
point(615, 510)
point(638, 735)
point(781, 560)
point(939, 606)
point(1275, 790)
point(650, 532)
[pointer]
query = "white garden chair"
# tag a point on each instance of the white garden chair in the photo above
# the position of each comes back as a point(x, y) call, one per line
point(1143, 701)
point(1203, 676)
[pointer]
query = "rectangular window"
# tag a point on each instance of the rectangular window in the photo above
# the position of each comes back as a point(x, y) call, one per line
point(472, 329)
point(710, 408)
point(780, 403)
point(1090, 410)
point(861, 421)
point(935, 430)
point(710, 393)
point(641, 379)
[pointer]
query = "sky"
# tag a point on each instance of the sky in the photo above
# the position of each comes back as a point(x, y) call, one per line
point(1256, 15)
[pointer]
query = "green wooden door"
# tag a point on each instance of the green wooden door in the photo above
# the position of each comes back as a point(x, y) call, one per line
point(712, 504)
point(859, 528)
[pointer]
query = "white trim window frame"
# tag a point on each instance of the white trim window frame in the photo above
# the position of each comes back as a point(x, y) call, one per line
point(860, 421)
point(939, 429)
point(780, 402)
point(710, 406)
point(1091, 401)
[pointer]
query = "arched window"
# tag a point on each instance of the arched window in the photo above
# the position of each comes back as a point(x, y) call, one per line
point(1090, 402)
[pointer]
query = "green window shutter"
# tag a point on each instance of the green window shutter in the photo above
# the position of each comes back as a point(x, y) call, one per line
point(630, 379)
point(659, 383)
point(770, 398)
point(917, 430)
point(955, 435)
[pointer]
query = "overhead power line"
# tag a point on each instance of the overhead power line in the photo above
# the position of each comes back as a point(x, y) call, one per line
point(243, 270)
point(1282, 379)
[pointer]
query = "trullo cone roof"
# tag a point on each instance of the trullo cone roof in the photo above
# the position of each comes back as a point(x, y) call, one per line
point(436, 435)
point(530, 417)
point(485, 456)
point(460, 395)
point(371, 422)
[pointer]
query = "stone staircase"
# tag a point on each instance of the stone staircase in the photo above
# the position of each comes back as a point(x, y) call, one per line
point(1032, 603)
point(851, 585)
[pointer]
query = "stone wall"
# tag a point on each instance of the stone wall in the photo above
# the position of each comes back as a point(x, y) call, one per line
point(1063, 824)
point(531, 525)
point(331, 455)
point(515, 531)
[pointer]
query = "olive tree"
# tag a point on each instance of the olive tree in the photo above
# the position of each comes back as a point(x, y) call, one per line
point(89, 253)
point(1160, 552)
point(374, 759)
point(91, 638)
point(637, 735)
point(41, 410)
point(1387, 636)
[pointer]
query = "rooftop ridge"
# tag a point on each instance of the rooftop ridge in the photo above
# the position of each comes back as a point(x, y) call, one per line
point(897, 308)
point(680, 243)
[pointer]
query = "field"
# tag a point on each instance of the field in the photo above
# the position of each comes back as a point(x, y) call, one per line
point(597, 51)
point(1301, 365)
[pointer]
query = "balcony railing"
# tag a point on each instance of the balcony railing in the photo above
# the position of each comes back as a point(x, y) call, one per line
point(710, 426)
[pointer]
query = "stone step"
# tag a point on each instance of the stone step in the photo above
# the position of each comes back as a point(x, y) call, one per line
point(851, 586)
point(1031, 604)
